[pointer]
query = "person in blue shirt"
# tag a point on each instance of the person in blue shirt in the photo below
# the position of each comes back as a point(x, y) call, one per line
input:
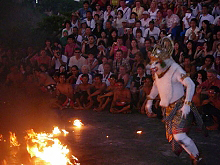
point(82, 11)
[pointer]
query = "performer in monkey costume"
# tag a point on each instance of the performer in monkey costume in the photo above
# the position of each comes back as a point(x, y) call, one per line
point(178, 109)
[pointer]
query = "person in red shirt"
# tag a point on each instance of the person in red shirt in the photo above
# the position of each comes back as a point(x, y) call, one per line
point(70, 47)
point(118, 46)
point(211, 107)
point(43, 59)
point(211, 81)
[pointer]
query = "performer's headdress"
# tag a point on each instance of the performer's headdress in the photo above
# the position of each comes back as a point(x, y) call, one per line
point(163, 50)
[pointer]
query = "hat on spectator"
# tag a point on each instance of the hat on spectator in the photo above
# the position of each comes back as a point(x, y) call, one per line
point(97, 4)
point(145, 12)
point(124, 20)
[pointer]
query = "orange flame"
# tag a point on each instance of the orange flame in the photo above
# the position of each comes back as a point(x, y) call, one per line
point(139, 132)
point(48, 150)
point(56, 131)
point(77, 123)
point(13, 140)
point(65, 132)
point(1, 137)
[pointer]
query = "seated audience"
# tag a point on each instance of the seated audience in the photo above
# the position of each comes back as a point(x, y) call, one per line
point(64, 88)
point(137, 83)
point(84, 70)
point(82, 95)
point(107, 97)
point(121, 99)
point(96, 89)
point(77, 59)
point(45, 82)
point(73, 75)
point(122, 74)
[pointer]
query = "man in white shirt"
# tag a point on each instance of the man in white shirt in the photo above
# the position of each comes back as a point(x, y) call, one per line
point(192, 32)
point(78, 38)
point(126, 10)
point(217, 21)
point(186, 21)
point(205, 16)
point(89, 20)
point(58, 59)
point(196, 8)
point(173, 23)
point(188, 17)
point(145, 20)
point(84, 70)
point(106, 74)
point(77, 59)
point(152, 31)
point(137, 26)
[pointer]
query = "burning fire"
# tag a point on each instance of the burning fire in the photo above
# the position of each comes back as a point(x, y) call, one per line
point(47, 149)
point(65, 132)
point(139, 132)
point(1, 137)
point(13, 140)
point(77, 123)
point(56, 131)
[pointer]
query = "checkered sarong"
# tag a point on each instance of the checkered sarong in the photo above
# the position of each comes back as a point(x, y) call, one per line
point(174, 122)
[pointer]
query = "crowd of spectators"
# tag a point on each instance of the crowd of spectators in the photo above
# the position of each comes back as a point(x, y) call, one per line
point(101, 60)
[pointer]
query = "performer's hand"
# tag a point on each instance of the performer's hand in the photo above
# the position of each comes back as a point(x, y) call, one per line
point(185, 110)
point(148, 106)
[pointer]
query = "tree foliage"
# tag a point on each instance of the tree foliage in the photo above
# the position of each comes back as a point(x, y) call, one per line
point(59, 5)
point(51, 24)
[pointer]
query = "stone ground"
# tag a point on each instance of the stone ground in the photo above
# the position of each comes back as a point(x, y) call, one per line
point(125, 147)
point(105, 139)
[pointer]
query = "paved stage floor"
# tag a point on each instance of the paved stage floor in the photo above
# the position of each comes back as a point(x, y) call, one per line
point(105, 139)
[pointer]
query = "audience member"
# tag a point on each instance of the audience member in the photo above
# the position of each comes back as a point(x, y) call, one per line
point(84, 70)
point(121, 99)
point(70, 47)
point(82, 11)
point(73, 75)
point(119, 61)
point(58, 59)
point(106, 74)
point(212, 80)
point(77, 59)
point(107, 97)
point(97, 88)
point(64, 88)
point(82, 95)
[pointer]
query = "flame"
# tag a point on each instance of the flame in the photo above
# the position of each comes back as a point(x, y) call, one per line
point(13, 140)
point(78, 123)
point(47, 149)
point(56, 131)
point(139, 132)
point(1, 137)
point(65, 132)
